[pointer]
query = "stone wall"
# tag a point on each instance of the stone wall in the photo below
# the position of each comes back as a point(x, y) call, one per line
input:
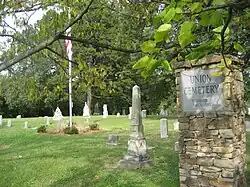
point(212, 145)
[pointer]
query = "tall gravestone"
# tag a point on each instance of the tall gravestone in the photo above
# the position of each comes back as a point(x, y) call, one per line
point(144, 114)
point(105, 111)
point(58, 118)
point(130, 112)
point(212, 142)
point(137, 155)
point(164, 128)
point(9, 123)
point(86, 112)
point(1, 120)
point(123, 112)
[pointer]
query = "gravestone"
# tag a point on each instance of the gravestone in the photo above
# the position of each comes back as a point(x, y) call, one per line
point(176, 125)
point(26, 125)
point(58, 118)
point(1, 120)
point(212, 135)
point(47, 120)
point(163, 112)
point(19, 116)
point(105, 111)
point(123, 112)
point(144, 114)
point(86, 112)
point(130, 112)
point(113, 139)
point(9, 123)
point(137, 155)
point(247, 123)
point(164, 128)
point(118, 114)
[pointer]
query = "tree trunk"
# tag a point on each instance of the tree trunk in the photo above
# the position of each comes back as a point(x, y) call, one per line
point(89, 99)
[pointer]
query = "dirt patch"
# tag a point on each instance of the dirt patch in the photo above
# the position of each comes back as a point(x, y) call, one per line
point(3, 147)
point(81, 132)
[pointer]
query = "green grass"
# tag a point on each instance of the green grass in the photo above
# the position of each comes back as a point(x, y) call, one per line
point(31, 159)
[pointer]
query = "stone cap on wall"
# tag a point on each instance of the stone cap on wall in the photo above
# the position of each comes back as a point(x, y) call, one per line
point(207, 60)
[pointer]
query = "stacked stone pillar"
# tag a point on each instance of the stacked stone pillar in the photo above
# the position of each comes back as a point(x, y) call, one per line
point(212, 144)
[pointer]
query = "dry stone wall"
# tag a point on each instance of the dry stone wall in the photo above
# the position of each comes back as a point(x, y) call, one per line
point(212, 145)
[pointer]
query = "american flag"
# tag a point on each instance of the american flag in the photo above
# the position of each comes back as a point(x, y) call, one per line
point(69, 44)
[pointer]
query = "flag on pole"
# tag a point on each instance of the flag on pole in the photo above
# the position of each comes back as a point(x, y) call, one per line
point(69, 53)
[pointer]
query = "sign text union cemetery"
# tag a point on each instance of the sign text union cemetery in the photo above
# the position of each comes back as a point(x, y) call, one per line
point(201, 90)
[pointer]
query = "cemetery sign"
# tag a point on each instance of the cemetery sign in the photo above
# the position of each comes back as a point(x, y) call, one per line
point(201, 91)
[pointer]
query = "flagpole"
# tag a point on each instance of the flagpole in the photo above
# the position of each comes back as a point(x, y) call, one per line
point(70, 83)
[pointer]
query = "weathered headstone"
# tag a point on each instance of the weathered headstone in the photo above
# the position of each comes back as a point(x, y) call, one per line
point(105, 111)
point(164, 128)
point(137, 155)
point(58, 118)
point(118, 114)
point(130, 113)
point(163, 112)
point(47, 120)
point(26, 125)
point(247, 123)
point(1, 120)
point(113, 139)
point(19, 116)
point(123, 112)
point(176, 125)
point(86, 112)
point(212, 142)
point(144, 114)
point(9, 123)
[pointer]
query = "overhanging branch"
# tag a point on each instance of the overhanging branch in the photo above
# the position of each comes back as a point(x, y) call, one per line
point(101, 45)
point(44, 44)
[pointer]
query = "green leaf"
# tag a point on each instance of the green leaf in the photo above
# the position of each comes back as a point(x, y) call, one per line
point(216, 74)
point(160, 36)
point(218, 29)
point(193, 56)
point(238, 47)
point(169, 16)
point(166, 65)
point(165, 27)
point(142, 62)
point(228, 61)
point(185, 39)
point(216, 19)
point(196, 7)
point(148, 46)
point(187, 26)
point(218, 2)
point(205, 19)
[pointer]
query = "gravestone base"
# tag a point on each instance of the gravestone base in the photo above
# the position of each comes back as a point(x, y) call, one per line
point(137, 156)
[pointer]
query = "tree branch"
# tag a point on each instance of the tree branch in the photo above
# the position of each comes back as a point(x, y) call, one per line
point(51, 50)
point(96, 44)
point(230, 11)
point(44, 44)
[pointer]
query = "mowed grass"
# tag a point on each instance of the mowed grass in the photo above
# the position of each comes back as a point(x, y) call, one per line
point(31, 159)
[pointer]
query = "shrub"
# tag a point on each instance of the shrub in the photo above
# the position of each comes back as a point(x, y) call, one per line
point(73, 130)
point(42, 129)
point(94, 126)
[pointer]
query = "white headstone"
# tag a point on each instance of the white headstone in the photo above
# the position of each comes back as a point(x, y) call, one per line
point(248, 111)
point(19, 116)
point(118, 114)
point(47, 120)
point(9, 123)
point(144, 113)
point(130, 112)
point(247, 123)
point(1, 120)
point(176, 125)
point(58, 115)
point(86, 112)
point(25, 124)
point(164, 128)
point(105, 111)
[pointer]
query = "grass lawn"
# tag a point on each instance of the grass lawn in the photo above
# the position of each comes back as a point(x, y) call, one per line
point(31, 159)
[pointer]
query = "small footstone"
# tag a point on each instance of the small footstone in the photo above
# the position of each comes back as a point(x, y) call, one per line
point(113, 139)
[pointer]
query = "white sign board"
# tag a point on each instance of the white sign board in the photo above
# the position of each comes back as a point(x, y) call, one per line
point(201, 91)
